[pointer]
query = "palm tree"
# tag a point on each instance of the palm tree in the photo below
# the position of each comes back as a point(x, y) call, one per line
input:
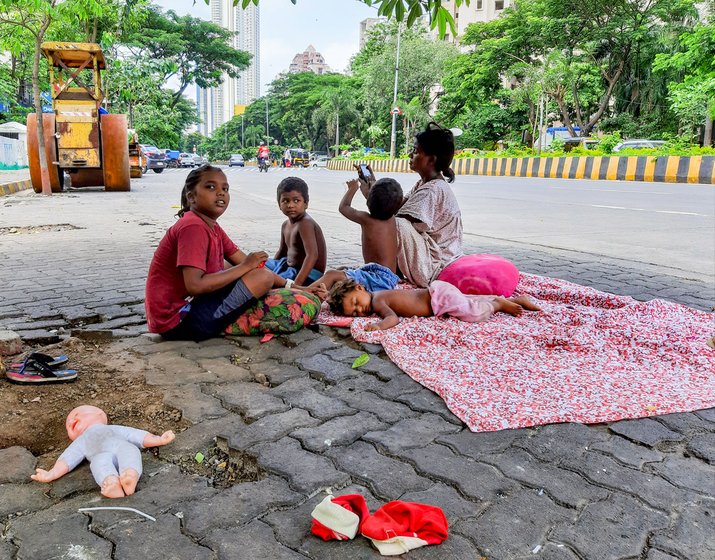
point(336, 103)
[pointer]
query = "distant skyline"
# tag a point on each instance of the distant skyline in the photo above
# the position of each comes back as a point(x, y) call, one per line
point(331, 26)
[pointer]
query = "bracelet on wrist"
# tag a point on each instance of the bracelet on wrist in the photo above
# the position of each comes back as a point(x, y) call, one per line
point(289, 283)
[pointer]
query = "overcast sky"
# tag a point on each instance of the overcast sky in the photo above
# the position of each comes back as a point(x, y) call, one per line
point(331, 26)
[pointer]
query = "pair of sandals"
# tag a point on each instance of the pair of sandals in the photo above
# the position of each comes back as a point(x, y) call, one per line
point(40, 368)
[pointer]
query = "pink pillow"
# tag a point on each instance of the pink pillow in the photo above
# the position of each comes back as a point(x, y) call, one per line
point(482, 275)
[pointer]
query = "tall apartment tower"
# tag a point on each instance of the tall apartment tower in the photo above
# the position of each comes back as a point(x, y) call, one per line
point(478, 10)
point(220, 102)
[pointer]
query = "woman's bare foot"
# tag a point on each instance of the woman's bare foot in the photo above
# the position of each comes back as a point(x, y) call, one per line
point(111, 487)
point(526, 303)
point(128, 480)
point(507, 306)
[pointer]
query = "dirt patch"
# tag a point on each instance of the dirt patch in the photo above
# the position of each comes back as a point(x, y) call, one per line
point(220, 469)
point(36, 229)
point(33, 416)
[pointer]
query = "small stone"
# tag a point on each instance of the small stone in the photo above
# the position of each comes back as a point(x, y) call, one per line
point(10, 343)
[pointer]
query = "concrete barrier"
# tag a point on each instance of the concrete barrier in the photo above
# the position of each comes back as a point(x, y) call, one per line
point(662, 169)
point(15, 186)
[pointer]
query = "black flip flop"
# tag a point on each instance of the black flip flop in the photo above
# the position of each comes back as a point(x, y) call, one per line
point(37, 372)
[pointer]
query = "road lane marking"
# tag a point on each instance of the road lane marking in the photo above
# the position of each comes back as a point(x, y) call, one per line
point(647, 210)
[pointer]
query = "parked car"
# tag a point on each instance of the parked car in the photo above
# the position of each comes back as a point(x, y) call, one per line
point(186, 160)
point(237, 160)
point(319, 161)
point(637, 144)
point(199, 160)
point(581, 142)
point(155, 158)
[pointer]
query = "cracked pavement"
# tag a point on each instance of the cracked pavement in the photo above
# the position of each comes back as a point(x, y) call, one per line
point(293, 412)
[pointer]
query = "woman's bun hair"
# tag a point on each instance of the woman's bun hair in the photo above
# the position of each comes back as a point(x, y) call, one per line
point(439, 142)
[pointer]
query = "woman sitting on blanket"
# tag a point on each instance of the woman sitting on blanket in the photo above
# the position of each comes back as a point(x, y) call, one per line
point(429, 223)
point(352, 299)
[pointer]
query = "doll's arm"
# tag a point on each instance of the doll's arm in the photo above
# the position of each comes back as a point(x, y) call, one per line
point(152, 440)
point(59, 469)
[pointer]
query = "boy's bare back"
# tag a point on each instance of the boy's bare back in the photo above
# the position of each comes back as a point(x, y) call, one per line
point(378, 244)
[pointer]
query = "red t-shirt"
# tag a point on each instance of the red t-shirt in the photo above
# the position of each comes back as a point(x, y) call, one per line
point(189, 242)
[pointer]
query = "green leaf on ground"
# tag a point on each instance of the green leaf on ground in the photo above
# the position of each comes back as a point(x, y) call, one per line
point(199, 457)
point(361, 360)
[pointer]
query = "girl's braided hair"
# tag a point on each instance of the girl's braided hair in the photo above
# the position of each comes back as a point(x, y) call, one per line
point(192, 179)
point(439, 142)
point(337, 293)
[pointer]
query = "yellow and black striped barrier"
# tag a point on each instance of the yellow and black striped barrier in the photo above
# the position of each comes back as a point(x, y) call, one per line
point(660, 169)
point(15, 186)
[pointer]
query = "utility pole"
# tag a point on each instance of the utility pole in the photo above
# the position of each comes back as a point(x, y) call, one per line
point(243, 135)
point(393, 135)
point(267, 119)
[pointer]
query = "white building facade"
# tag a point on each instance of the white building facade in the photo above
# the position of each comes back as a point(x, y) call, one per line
point(218, 105)
point(477, 11)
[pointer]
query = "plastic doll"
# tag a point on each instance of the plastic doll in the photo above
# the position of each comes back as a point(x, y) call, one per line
point(112, 451)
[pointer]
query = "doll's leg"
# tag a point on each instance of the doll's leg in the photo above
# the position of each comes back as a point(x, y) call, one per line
point(129, 460)
point(106, 475)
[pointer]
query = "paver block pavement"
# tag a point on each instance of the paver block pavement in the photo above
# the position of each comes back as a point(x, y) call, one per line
point(703, 446)
point(17, 465)
point(195, 406)
point(338, 431)
point(255, 540)
point(268, 429)
point(306, 472)
point(411, 433)
point(237, 505)
point(387, 478)
point(618, 527)
point(563, 486)
point(455, 507)
point(692, 536)
point(251, 400)
point(686, 423)
point(513, 527)
point(427, 401)
point(627, 452)
point(386, 410)
point(323, 368)
point(312, 396)
point(160, 539)
point(686, 472)
point(477, 481)
point(276, 372)
point(646, 431)
point(16, 499)
point(223, 370)
point(474, 445)
point(561, 443)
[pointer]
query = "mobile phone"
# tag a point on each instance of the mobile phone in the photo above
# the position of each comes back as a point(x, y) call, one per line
point(365, 172)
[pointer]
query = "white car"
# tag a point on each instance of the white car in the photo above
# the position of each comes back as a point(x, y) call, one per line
point(638, 144)
point(320, 161)
point(186, 160)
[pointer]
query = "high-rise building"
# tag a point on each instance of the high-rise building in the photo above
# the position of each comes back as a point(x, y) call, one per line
point(309, 60)
point(221, 103)
point(478, 10)
point(366, 25)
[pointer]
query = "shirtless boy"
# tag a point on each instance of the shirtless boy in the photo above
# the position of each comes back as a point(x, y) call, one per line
point(302, 254)
point(351, 299)
point(378, 226)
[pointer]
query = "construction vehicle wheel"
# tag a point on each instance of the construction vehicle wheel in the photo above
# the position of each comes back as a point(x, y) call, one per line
point(158, 170)
point(115, 152)
point(33, 152)
point(136, 173)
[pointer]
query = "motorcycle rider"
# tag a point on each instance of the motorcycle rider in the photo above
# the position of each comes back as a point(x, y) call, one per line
point(263, 154)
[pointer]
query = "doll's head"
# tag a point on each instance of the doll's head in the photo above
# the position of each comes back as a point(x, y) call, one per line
point(82, 418)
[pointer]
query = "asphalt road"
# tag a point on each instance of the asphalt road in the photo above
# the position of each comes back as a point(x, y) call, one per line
point(667, 226)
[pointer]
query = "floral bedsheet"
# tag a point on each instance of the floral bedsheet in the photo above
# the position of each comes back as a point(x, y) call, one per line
point(588, 357)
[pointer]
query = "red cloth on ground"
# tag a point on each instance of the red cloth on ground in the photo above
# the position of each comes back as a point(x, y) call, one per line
point(330, 522)
point(398, 527)
point(189, 242)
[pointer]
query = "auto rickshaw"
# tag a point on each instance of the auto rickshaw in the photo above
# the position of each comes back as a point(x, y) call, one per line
point(299, 157)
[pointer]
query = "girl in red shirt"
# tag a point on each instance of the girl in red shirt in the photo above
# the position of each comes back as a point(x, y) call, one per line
point(190, 295)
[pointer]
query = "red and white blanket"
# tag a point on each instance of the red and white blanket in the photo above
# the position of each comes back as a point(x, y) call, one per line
point(587, 357)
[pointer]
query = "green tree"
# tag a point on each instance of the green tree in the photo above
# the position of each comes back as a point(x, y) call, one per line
point(404, 10)
point(196, 51)
point(693, 98)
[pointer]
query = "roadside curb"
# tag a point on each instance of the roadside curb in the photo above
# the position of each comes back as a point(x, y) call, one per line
point(659, 169)
point(15, 186)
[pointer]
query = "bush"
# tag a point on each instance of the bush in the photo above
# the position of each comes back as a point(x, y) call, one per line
point(609, 141)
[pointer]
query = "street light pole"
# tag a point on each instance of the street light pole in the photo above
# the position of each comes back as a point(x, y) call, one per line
point(393, 135)
point(266, 119)
point(243, 135)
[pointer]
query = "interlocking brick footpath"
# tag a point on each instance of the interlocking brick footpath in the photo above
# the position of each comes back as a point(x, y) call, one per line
point(295, 414)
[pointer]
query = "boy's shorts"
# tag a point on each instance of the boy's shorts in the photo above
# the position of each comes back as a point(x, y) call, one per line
point(281, 268)
point(373, 276)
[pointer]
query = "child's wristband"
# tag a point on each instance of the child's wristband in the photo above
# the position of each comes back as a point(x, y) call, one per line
point(289, 283)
